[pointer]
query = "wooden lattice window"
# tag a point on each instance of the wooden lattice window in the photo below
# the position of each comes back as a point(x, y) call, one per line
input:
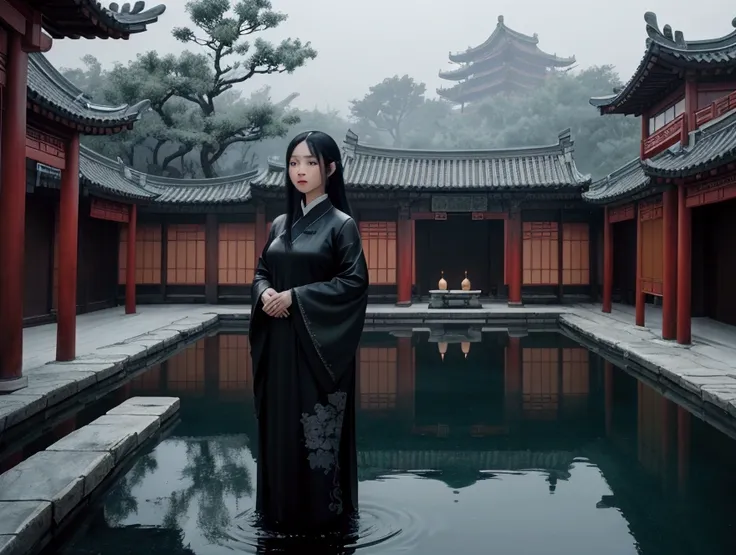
point(575, 254)
point(185, 254)
point(236, 253)
point(652, 265)
point(235, 369)
point(540, 253)
point(540, 382)
point(378, 374)
point(379, 246)
point(147, 254)
point(185, 370)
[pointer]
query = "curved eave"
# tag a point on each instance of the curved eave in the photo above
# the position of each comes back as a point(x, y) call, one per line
point(625, 183)
point(90, 19)
point(660, 70)
point(53, 96)
point(625, 101)
point(114, 180)
point(483, 86)
point(500, 31)
point(538, 59)
point(709, 147)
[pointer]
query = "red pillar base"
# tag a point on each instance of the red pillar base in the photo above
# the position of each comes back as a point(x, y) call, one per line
point(13, 384)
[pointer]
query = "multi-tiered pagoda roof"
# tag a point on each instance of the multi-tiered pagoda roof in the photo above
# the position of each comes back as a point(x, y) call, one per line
point(507, 61)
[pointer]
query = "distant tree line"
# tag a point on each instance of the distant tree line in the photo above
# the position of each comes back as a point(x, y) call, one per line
point(200, 125)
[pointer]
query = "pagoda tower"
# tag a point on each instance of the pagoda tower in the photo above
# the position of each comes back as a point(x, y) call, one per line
point(508, 61)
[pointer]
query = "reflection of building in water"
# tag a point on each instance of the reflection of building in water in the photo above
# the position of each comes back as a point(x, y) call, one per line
point(662, 429)
point(218, 365)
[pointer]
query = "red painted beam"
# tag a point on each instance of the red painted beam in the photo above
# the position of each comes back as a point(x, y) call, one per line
point(607, 261)
point(12, 217)
point(669, 261)
point(66, 330)
point(130, 280)
point(684, 274)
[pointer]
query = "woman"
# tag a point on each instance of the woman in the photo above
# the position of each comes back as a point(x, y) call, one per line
point(309, 300)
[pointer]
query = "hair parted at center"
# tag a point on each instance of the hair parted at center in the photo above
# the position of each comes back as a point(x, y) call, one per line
point(325, 149)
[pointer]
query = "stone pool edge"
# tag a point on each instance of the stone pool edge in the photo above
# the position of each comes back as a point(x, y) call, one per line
point(58, 389)
point(706, 387)
point(45, 493)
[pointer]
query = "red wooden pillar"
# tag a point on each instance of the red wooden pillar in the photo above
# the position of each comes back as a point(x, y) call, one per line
point(130, 280)
point(639, 250)
point(514, 246)
point(669, 261)
point(66, 330)
point(12, 217)
point(684, 285)
point(607, 261)
point(403, 259)
point(260, 232)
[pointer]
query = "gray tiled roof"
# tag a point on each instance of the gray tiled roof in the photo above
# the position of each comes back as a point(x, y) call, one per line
point(710, 146)
point(90, 19)
point(379, 168)
point(655, 78)
point(116, 179)
point(627, 180)
point(502, 34)
point(51, 90)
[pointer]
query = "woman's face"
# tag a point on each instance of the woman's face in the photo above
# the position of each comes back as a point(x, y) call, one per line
point(304, 170)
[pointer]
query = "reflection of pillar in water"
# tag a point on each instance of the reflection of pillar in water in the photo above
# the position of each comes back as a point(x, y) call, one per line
point(212, 365)
point(406, 378)
point(669, 422)
point(512, 379)
point(683, 448)
point(64, 428)
point(608, 392)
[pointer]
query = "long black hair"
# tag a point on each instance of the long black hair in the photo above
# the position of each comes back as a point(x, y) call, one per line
point(325, 149)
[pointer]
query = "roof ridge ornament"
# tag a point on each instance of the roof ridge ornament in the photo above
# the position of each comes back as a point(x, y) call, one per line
point(137, 13)
point(665, 35)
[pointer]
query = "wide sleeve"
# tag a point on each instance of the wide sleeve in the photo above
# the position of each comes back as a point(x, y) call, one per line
point(259, 319)
point(331, 313)
point(262, 276)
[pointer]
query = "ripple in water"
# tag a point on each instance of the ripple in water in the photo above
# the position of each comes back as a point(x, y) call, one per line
point(394, 530)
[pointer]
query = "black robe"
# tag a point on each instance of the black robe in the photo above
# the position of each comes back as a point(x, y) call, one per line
point(304, 371)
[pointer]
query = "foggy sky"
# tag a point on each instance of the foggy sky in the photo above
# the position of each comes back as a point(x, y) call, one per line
point(360, 42)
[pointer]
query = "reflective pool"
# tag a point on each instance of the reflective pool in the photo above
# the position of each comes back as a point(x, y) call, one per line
point(470, 441)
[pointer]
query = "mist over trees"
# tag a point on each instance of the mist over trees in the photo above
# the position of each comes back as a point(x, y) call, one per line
point(202, 125)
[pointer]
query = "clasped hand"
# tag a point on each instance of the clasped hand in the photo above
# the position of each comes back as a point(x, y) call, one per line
point(276, 304)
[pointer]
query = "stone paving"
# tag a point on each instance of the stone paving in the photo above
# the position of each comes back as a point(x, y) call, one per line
point(703, 374)
point(40, 495)
point(110, 344)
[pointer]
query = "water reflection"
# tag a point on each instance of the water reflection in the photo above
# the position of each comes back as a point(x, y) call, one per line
point(526, 444)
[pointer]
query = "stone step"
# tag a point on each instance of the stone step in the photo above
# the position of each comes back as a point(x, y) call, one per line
point(37, 495)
